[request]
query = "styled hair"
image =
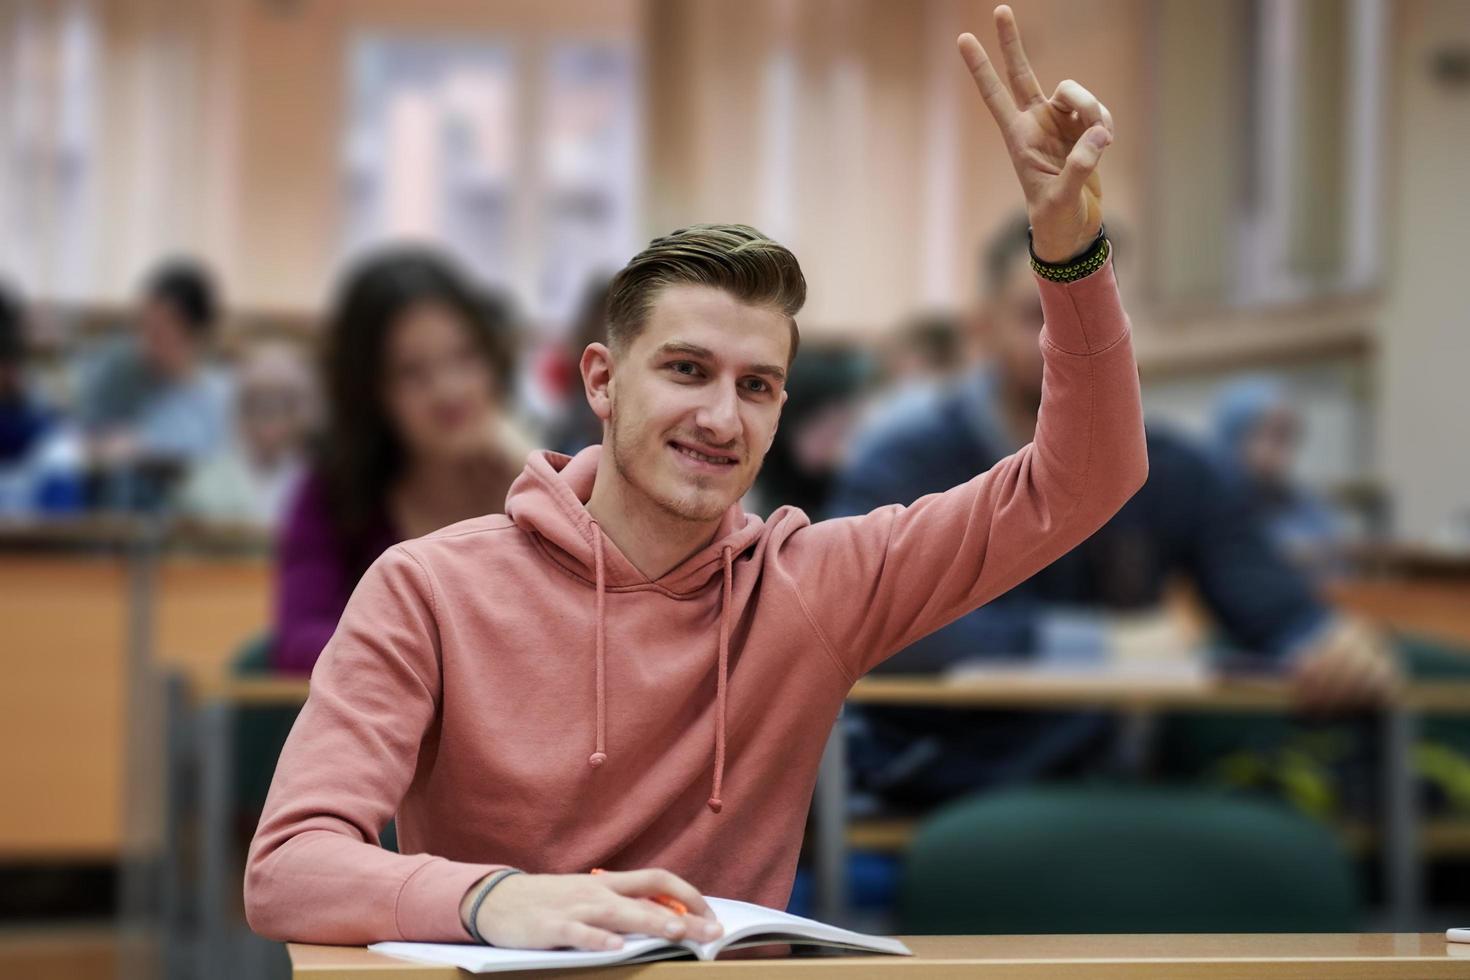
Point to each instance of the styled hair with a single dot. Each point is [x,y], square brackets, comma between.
[735,258]
[362,453]
[187,287]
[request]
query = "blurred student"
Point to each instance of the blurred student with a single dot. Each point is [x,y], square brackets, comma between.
[1190,519]
[25,420]
[1259,430]
[250,481]
[154,394]
[416,371]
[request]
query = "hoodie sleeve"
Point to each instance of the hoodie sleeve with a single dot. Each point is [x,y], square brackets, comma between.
[871,585]
[315,872]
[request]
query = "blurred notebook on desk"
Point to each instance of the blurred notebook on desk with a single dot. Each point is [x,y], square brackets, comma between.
[745,925]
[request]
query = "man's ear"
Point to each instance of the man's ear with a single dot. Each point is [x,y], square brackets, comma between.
[597,379]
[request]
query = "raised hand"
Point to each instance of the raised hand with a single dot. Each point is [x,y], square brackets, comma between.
[1054,144]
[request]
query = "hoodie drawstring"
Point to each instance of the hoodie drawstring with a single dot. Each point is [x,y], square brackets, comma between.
[715,803]
[599,756]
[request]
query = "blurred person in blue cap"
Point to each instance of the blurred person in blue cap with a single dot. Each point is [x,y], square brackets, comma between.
[1258,429]
[1191,520]
[418,367]
[152,404]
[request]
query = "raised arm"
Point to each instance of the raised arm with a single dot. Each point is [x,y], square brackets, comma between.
[874,584]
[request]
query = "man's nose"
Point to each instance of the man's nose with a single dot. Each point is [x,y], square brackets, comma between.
[719,415]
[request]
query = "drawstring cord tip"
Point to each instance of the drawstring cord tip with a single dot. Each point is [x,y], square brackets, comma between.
[596,759]
[715,803]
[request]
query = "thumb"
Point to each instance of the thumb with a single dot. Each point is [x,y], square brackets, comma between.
[1083,159]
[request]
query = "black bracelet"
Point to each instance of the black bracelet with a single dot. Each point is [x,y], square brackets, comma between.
[1080,266]
[494,879]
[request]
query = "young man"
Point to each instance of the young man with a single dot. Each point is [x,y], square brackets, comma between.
[628,672]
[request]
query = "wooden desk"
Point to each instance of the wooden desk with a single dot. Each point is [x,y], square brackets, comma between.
[1380,956]
[64,708]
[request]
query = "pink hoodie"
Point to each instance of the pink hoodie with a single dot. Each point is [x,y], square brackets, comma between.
[519,694]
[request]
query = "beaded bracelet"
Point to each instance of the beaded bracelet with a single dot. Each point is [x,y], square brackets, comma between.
[494,879]
[1078,267]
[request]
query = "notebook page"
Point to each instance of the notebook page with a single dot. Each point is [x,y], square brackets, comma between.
[494,959]
[742,920]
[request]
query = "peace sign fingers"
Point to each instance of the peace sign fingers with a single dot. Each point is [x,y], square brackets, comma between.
[1024,85]
[997,100]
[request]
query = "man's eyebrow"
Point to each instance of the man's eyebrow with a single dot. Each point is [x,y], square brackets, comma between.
[694,350]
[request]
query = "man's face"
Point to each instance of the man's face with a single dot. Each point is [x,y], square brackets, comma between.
[694,400]
[167,346]
[1014,317]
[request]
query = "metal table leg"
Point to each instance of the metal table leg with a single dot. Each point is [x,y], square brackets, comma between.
[216,739]
[1402,859]
[830,852]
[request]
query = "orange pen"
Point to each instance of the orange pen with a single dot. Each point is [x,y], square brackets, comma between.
[667,901]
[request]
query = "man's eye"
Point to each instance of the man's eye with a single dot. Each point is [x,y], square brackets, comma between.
[758,386]
[684,367]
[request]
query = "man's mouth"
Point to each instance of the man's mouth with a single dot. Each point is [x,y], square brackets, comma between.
[712,457]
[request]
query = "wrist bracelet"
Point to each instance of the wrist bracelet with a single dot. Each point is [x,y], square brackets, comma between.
[1079,266]
[485,889]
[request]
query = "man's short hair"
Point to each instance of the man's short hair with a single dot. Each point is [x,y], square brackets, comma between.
[187,287]
[735,258]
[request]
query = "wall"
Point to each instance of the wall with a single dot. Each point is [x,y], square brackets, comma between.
[1425,332]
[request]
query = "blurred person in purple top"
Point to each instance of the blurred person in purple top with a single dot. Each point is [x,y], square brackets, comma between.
[417,365]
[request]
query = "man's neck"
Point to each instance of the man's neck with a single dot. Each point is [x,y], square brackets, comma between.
[654,540]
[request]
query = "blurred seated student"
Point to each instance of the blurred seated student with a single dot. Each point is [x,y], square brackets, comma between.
[1259,429]
[25,419]
[153,400]
[250,480]
[416,370]
[1190,520]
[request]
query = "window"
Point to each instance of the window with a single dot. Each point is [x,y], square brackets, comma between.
[519,161]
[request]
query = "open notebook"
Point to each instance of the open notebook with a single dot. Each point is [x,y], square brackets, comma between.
[745,925]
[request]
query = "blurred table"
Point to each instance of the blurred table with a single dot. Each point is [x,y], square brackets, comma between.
[1436,609]
[1317,956]
[1137,697]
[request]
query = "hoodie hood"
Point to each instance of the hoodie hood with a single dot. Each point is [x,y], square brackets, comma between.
[549,501]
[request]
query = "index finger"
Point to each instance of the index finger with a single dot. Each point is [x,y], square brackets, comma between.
[997,99]
[655,881]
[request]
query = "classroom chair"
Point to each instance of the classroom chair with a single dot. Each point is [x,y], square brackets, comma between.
[1124,860]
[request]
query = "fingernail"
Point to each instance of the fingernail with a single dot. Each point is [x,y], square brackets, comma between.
[613,942]
[673,928]
[1098,137]
[711,932]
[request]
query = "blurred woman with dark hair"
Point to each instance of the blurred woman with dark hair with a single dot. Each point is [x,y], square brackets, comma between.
[417,368]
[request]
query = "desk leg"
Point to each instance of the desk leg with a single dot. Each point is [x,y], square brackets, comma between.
[216,775]
[830,853]
[1402,858]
